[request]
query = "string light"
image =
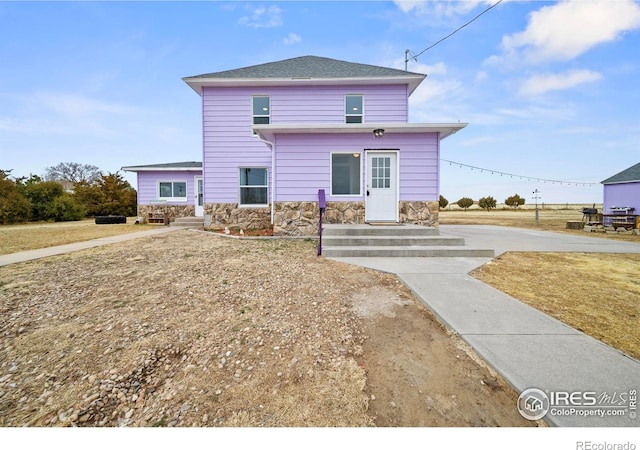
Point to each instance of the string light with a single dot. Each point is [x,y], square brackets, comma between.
[522,177]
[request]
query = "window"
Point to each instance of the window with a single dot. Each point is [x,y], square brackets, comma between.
[380,172]
[175,191]
[345,174]
[253,186]
[261,110]
[353,108]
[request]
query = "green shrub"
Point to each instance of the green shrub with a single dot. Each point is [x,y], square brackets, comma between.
[514,201]
[14,207]
[108,195]
[65,208]
[443,202]
[41,194]
[465,202]
[487,203]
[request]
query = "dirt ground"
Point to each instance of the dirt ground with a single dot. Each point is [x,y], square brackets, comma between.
[193,329]
[422,375]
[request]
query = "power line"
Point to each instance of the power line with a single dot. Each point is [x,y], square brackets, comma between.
[522,177]
[414,56]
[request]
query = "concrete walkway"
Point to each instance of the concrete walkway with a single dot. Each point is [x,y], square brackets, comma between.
[29,255]
[527,348]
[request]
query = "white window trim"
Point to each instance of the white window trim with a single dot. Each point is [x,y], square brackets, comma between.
[173,199]
[359,194]
[253,133]
[252,205]
[344,108]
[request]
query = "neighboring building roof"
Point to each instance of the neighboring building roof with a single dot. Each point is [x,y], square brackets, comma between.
[306,70]
[178,166]
[630,175]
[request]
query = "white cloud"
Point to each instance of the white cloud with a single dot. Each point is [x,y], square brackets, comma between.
[74,104]
[570,28]
[481,75]
[438,100]
[66,113]
[539,84]
[446,8]
[292,38]
[262,17]
[439,68]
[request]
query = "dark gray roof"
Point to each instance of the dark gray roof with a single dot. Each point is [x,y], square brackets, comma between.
[628,175]
[310,67]
[165,166]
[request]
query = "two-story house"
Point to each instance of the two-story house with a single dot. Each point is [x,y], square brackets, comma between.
[275,134]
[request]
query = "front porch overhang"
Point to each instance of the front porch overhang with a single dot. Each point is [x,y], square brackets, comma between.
[269,131]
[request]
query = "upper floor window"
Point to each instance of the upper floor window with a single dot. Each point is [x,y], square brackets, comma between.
[353,108]
[261,105]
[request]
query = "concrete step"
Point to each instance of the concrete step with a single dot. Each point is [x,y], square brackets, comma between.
[406,251]
[393,240]
[387,240]
[190,222]
[378,230]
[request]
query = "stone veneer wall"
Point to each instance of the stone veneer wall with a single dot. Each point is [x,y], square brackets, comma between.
[301,218]
[172,211]
[229,214]
[420,213]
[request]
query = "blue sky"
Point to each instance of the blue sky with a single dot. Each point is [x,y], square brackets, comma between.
[550,89]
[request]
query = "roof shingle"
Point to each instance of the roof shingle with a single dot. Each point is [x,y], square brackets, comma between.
[626,176]
[310,67]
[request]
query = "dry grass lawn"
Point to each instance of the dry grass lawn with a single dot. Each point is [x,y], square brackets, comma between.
[18,238]
[598,294]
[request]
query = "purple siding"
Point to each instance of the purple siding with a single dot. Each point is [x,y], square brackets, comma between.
[228,143]
[148,185]
[303,164]
[622,194]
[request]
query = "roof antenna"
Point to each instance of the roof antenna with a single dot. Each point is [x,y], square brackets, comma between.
[407,58]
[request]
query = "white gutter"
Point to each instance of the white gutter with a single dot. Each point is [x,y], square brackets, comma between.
[273,174]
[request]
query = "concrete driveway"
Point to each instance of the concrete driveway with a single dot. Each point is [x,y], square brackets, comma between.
[528,348]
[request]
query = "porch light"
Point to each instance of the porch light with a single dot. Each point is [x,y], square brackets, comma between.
[378,132]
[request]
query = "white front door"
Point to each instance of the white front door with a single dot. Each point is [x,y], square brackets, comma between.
[199,196]
[382,187]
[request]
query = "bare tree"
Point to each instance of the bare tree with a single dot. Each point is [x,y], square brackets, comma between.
[72,172]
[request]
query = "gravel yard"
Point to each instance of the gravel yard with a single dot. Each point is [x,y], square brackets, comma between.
[193,329]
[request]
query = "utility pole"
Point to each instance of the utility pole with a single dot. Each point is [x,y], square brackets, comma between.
[536,197]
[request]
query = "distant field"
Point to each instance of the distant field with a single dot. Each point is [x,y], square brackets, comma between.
[18,238]
[576,207]
[548,219]
[551,218]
